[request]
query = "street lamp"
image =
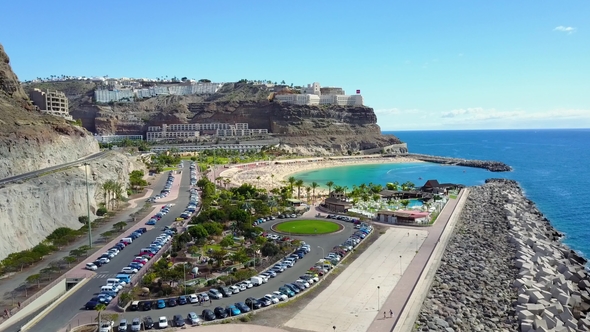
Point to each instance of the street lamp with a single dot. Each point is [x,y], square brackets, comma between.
[378,299]
[88,207]
[400,265]
[323,252]
[184,275]
[416,242]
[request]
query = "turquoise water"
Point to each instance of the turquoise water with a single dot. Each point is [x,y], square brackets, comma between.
[550,165]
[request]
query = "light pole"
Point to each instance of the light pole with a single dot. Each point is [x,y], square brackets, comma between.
[184,275]
[88,207]
[416,242]
[323,252]
[400,265]
[378,299]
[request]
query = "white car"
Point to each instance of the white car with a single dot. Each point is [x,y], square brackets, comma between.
[91,267]
[129,270]
[242,286]
[193,298]
[163,322]
[272,298]
[113,251]
[104,260]
[248,283]
[141,258]
[234,289]
[302,282]
[106,326]
[280,296]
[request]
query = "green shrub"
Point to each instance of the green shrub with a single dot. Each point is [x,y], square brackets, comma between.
[101,211]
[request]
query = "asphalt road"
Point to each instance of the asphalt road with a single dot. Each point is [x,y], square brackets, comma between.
[63,313]
[288,276]
[52,168]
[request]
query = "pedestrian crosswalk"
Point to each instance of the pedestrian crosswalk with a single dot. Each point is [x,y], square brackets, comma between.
[105,275]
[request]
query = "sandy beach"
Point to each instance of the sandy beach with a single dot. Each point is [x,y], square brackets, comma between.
[276,175]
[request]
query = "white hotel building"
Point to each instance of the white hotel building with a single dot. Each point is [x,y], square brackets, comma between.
[191,131]
[312,95]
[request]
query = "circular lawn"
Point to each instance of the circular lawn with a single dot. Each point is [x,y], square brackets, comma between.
[307,227]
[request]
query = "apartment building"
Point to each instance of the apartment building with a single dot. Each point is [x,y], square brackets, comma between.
[195,130]
[51,102]
[314,94]
[131,90]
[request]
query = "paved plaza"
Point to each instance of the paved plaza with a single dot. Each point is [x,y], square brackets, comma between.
[354,298]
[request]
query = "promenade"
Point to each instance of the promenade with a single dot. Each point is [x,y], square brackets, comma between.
[383,278]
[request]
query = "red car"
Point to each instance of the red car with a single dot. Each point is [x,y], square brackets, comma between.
[139,261]
[149,253]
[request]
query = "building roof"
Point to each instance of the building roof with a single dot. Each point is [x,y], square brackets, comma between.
[295,201]
[405,213]
[431,184]
[336,201]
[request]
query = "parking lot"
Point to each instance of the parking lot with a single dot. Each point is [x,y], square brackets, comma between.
[250,298]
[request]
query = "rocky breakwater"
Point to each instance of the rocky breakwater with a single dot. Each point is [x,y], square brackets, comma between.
[493,166]
[32,209]
[505,270]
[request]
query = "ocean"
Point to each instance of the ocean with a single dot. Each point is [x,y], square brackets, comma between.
[552,167]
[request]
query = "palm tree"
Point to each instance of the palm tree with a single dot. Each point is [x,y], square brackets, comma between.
[299,184]
[308,191]
[344,189]
[100,307]
[313,186]
[291,181]
[118,191]
[329,184]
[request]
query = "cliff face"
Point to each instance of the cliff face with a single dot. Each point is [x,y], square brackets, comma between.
[31,210]
[332,128]
[30,140]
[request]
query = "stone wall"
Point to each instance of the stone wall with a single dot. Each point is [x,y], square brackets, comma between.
[505,270]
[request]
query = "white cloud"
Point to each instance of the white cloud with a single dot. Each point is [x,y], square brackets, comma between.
[462,111]
[479,114]
[568,30]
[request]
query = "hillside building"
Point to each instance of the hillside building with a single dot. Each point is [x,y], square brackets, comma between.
[314,94]
[52,102]
[188,131]
[126,90]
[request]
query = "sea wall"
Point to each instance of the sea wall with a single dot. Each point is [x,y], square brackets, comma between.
[506,270]
[493,166]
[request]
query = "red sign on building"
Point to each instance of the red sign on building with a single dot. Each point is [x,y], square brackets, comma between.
[358,92]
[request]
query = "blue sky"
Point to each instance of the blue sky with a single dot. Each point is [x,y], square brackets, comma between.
[419,64]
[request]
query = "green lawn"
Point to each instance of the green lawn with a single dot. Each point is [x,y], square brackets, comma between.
[166,169]
[307,227]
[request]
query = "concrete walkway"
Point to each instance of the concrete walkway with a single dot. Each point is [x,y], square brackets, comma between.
[8,284]
[406,286]
[353,299]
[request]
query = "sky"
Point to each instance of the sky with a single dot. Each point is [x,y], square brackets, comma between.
[421,65]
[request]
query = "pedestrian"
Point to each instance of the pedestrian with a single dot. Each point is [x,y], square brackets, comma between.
[384,315]
[390,313]
[210,301]
[18,305]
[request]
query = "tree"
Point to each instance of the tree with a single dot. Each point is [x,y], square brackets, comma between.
[218,255]
[77,253]
[227,241]
[34,278]
[198,232]
[100,308]
[120,225]
[291,181]
[269,249]
[240,256]
[69,260]
[314,185]
[405,203]
[329,184]
[308,192]
[299,184]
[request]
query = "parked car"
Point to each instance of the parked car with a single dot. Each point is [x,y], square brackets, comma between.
[172,302]
[264,301]
[178,321]
[220,312]
[208,315]
[242,307]
[215,294]
[136,325]
[91,266]
[148,323]
[193,318]
[253,303]
[147,306]
[161,304]
[182,300]
[163,322]
[280,296]
[225,291]
[232,310]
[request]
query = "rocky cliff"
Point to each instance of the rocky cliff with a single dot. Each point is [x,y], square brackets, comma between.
[316,129]
[30,140]
[31,210]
